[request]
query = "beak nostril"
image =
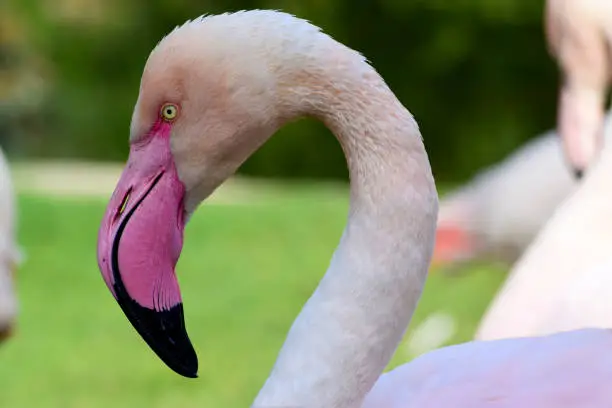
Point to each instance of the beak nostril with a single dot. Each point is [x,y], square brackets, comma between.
[123,205]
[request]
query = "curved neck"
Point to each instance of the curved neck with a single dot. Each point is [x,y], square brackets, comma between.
[350,327]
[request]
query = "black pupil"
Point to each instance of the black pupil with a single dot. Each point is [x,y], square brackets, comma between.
[168,111]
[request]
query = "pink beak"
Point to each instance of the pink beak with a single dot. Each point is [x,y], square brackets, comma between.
[139,244]
[453,244]
[581,120]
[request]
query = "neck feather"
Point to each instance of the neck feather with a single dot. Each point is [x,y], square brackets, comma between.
[349,329]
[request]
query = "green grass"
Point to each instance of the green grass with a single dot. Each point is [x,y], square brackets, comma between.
[245,272]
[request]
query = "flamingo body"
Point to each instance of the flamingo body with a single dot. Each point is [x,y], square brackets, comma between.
[562,282]
[565,370]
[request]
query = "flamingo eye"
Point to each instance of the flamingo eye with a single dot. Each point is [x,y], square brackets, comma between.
[169,112]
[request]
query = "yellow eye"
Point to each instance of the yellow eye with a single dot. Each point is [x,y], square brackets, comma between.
[169,112]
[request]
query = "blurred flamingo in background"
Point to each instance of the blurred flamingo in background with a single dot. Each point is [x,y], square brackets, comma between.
[10,255]
[497,214]
[563,280]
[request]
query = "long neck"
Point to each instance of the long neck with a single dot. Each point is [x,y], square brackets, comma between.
[349,329]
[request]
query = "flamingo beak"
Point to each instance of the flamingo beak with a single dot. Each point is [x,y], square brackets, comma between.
[580,122]
[139,244]
[578,173]
[453,244]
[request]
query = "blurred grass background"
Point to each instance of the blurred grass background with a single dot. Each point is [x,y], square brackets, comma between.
[245,272]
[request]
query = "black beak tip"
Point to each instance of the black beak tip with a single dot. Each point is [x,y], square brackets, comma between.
[184,361]
[185,370]
[164,331]
[578,173]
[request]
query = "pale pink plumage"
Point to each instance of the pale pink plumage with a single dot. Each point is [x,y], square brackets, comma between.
[562,282]
[566,370]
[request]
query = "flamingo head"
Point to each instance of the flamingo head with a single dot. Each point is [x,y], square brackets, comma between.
[211,93]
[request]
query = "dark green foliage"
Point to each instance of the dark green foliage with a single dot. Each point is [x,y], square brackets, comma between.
[476,75]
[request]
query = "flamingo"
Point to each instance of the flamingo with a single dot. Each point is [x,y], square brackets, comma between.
[560,282]
[10,254]
[498,213]
[212,92]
